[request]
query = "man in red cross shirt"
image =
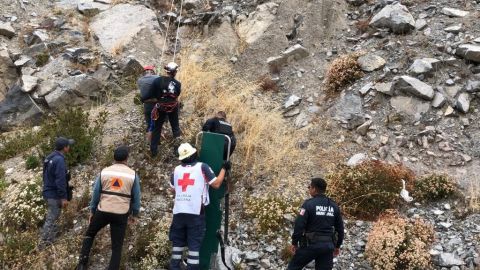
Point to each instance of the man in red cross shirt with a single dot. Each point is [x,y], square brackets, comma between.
[191,181]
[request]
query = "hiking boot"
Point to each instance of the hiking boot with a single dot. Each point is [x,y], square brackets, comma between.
[81,266]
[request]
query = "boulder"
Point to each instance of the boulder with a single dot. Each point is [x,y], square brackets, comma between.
[463,102]
[363,128]
[423,65]
[385,88]
[413,86]
[292,101]
[469,52]
[452,12]
[38,36]
[348,110]
[51,74]
[370,62]
[23,60]
[472,86]
[449,260]
[8,73]
[252,28]
[17,108]
[29,83]
[438,100]
[296,52]
[73,91]
[396,17]
[455,28]
[409,105]
[118,26]
[420,24]
[7,30]
[130,67]
[90,9]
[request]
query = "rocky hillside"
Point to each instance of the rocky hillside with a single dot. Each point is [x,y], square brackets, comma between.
[311,87]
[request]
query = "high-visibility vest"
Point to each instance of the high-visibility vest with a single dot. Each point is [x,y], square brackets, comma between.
[191,189]
[117,182]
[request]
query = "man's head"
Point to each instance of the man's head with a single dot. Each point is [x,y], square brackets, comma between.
[63,144]
[221,115]
[317,186]
[121,154]
[171,69]
[148,70]
[186,152]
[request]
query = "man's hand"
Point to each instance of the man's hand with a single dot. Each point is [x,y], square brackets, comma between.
[64,203]
[293,249]
[227,165]
[336,252]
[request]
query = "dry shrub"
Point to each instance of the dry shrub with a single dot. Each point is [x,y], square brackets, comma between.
[267,84]
[434,187]
[152,249]
[267,145]
[397,243]
[363,25]
[366,190]
[473,195]
[343,71]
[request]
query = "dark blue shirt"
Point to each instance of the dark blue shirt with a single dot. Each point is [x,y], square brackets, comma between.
[55,176]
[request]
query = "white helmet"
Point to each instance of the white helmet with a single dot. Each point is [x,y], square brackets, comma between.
[171,67]
[185,150]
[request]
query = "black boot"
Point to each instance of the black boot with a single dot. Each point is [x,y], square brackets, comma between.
[81,266]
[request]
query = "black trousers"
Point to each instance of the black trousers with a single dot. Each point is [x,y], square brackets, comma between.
[118,225]
[157,129]
[322,253]
[147,110]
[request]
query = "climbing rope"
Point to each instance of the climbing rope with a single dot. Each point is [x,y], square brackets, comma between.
[166,33]
[178,28]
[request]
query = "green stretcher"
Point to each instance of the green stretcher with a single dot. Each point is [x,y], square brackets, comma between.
[211,153]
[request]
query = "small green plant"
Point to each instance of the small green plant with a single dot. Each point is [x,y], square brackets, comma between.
[366,190]
[434,187]
[32,162]
[152,248]
[3,182]
[42,59]
[397,243]
[23,205]
[268,213]
[15,145]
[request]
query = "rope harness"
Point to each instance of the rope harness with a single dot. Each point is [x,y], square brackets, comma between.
[167,107]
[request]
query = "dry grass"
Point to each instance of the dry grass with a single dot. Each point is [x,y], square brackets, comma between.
[118,48]
[267,145]
[363,25]
[86,28]
[473,196]
[343,71]
[267,84]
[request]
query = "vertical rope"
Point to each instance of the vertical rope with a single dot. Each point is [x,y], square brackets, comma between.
[178,28]
[166,34]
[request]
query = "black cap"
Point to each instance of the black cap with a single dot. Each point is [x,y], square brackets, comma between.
[62,142]
[120,153]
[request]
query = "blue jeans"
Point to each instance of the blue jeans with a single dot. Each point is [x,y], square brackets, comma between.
[322,253]
[49,230]
[186,230]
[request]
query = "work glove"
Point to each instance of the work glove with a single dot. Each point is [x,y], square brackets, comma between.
[227,165]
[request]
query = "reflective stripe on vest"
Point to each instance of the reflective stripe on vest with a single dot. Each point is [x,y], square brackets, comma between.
[191,189]
[117,182]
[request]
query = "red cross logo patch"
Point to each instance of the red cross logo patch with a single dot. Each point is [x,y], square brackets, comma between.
[186,181]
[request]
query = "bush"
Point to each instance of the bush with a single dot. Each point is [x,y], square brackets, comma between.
[343,71]
[266,83]
[269,212]
[152,247]
[366,190]
[3,183]
[73,123]
[15,145]
[396,243]
[16,246]
[32,162]
[23,205]
[42,59]
[434,187]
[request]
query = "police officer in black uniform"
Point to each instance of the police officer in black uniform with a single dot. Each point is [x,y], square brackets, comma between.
[318,232]
[219,124]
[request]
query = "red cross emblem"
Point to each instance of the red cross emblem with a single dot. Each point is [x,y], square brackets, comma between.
[186,181]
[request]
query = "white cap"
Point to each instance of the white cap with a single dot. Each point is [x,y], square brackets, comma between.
[172,66]
[185,150]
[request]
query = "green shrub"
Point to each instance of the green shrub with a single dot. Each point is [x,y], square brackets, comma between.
[268,213]
[366,190]
[16,246]
[23,205]
[42,59]
[3,182]
[73,123]
[152,248]
[397,243]
[15,145]
[32,162]
[434,187]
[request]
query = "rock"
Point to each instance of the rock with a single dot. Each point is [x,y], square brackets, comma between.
[292,101]
[295,52]
[7,30]
[50,74]
[455,28]
[38,36]
[23,60]
[88,9]
[396,17]
[438,100]
[385,88]
[409,105]
[452,12]
[469,52]
[116,27]
[191,4]
[302,120]
[357,159]
[252,28]
[413,86]
[449,259]
[348,110]
[463,102]
[73,91]
[449,82]
[364,90]
[130,67]
[472,86]
[8,73]
[423,65]
[252,256]
[17,108]
[449,111]
[232,258]
[370,62]
[291,113]
[29,83]
[420,24]
[363,128]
